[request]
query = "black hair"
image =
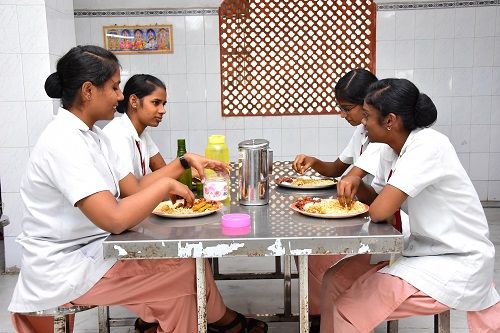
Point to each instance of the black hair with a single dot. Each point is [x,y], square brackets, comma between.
[353,86]
[401,97]
[79,65]
[140,85]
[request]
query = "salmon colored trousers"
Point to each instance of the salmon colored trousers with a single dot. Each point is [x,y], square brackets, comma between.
[356,298]
[156,290]
[317,267]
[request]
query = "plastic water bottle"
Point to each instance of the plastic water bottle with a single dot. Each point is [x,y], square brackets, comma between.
[186,178]
[217,150]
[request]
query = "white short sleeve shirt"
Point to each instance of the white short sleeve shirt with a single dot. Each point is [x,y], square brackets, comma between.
[360,152]
[448,254]
[124,139]
[62,249]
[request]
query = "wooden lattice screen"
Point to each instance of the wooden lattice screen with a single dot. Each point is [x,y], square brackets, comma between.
[283,57]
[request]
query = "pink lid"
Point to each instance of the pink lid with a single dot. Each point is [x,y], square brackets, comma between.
[235,220]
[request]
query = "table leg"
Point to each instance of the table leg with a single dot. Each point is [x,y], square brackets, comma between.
[303,294]
[200,293]
[287,282]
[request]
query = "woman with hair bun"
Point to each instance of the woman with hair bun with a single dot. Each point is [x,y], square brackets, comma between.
[350,91]
[76,191]
[448,260]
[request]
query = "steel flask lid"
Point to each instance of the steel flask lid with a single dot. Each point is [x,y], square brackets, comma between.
[254,144]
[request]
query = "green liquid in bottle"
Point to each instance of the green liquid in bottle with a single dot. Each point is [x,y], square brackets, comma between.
[186,177]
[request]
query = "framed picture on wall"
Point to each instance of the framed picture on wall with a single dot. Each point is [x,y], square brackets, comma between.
[127,39]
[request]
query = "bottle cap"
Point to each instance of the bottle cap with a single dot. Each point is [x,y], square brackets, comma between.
[216,139]
[235,220]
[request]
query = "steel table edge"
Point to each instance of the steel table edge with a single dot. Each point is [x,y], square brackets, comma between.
[149,249]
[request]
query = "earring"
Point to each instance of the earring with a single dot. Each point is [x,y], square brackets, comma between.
[388,128]
[134,106]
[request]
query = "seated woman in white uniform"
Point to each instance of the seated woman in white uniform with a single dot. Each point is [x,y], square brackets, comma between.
[143,106]
[350,92]
[71,192]
[447,260]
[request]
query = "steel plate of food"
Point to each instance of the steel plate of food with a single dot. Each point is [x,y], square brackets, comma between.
[201,207]
[328,208]
[306,182]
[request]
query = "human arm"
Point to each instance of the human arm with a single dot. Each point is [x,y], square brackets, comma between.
[302,163]
[172,170]
[117,216]
[387,203]
[350,186]
[156,162]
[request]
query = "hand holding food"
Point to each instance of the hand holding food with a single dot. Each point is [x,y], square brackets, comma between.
[302,163]
[347,188]
[176,189]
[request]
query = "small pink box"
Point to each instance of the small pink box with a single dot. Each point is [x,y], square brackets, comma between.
[236,231]
[235,220]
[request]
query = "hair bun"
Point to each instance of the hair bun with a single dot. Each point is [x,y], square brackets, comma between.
[425,111]
[53,86]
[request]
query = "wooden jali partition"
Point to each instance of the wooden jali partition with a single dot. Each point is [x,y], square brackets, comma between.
[283,57]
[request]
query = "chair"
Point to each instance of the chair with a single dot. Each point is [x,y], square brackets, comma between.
[441,323]
[61,315]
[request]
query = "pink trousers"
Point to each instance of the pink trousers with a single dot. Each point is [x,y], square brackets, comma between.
[162,291]
[318,265]
[356,298]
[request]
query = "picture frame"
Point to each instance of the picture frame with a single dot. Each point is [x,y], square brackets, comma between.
[126,39]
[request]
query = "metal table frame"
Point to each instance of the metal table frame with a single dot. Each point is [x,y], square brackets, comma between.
[275,231]
[4,221]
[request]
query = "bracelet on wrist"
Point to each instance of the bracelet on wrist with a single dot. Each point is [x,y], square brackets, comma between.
[184,162]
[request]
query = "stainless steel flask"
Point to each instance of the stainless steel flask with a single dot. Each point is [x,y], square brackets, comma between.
[255,160]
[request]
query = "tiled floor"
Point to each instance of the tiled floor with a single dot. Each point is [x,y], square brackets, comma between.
[260,296]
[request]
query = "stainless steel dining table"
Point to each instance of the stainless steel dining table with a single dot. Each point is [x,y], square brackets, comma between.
[275,230]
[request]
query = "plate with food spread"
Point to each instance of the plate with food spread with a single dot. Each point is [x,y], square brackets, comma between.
[327,208]
[201,207]
[306,182]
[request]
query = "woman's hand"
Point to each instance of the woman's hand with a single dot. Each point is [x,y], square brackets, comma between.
[199,163]
[302,163]
[347,188]
[176,189]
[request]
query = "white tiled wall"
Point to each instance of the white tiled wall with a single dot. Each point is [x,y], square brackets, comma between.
[453,55]
[192,76]
[37,33]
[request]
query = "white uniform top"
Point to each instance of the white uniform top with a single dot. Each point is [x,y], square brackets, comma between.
[62,249]
[448,254]
[360,152]
[124,138]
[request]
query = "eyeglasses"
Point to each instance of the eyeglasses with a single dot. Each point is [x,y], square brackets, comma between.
[347,110]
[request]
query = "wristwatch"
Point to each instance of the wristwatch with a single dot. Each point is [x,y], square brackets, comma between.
[184,162]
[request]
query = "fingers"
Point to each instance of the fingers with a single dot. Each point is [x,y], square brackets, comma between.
[346,190]
[299,165]
[176,189]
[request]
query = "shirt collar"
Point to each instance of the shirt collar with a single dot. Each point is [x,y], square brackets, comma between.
[409,140]
[72,120]
[130,127]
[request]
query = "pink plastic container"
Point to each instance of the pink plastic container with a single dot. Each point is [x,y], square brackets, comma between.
[235,220]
